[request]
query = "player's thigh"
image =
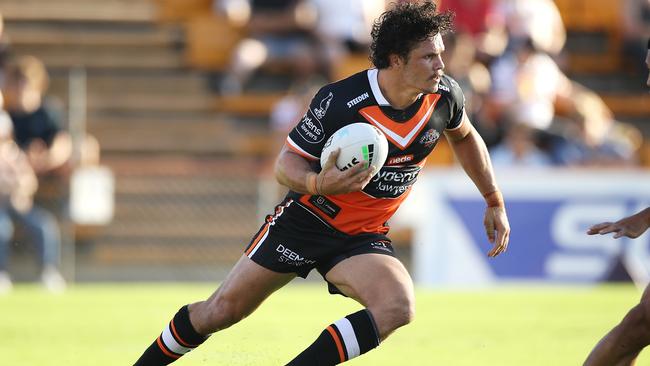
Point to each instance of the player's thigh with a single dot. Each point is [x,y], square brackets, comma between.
[248,283]
[372,279]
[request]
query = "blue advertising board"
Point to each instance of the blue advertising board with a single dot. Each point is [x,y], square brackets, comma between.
[549,213]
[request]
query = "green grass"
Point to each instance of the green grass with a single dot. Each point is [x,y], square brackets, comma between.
[112,324]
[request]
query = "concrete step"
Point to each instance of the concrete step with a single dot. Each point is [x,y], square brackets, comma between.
[105,57]
[122,11]
[153,82]
[75,34]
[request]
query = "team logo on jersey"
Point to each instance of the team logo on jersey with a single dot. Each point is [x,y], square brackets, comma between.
[310,129]
[398,160]
[358,99]
[323,106]
[430,138]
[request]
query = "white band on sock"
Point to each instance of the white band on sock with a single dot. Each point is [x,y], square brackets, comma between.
[349,337]
[171,343]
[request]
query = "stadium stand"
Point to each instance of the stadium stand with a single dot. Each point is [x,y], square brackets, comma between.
[154,116]
[182,155]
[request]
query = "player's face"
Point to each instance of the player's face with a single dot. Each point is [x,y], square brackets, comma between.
[647,63]
[424,67]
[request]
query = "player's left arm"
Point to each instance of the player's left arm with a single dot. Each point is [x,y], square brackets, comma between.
[471,152]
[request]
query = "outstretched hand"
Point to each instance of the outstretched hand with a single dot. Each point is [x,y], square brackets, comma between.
[497,229]
[632,226]
[333,181]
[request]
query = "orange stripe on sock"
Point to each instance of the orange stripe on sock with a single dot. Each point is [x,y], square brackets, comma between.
[339,345]
[257,240]
[165,351]
[180,340]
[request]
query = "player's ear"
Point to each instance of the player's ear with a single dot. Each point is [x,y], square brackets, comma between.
[395,60]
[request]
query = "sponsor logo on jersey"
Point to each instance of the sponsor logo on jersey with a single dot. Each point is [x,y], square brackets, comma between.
[310,129]
[430,137]
[398,160]
[326,206]
[292,258]
[323,106]
[358,99]
[444,87]
[392,182]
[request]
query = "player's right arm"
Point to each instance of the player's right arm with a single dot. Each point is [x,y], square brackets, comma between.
[294,171]
[632,226]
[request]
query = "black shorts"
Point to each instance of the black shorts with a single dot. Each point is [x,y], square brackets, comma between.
[295,240]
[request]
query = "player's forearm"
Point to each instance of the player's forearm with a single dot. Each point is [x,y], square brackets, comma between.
[645,217]
[294,172]
[473,156]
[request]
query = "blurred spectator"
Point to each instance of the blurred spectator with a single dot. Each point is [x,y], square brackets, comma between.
[471,16]
[4,48]
[535,20]
[288,111]
[519,148]
[344,26]
[280,33]
[593,138]
[531,81]
[18,183]
[480,20]
[38,127]
[636,31]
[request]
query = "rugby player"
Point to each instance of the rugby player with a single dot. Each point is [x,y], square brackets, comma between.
[335,221]
[623,343]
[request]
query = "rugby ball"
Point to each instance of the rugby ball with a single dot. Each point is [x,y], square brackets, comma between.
[358,142]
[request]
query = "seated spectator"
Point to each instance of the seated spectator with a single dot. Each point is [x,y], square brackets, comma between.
[635,24]
[535,20]
[18,183]
[518,147]
[592,137]
[38,126]
[280,32]
[344,26]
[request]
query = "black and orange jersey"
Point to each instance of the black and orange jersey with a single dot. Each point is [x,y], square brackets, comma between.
[412,134]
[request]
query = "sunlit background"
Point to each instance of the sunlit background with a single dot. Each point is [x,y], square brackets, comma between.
[172,112]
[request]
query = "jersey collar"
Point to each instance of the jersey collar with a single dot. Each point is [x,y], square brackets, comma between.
[373,75]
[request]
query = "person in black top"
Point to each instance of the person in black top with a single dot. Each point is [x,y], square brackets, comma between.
[335,221]
[37,131]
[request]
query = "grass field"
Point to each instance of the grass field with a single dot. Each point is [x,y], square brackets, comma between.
[111,324]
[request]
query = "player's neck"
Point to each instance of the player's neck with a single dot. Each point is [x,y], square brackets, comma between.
[396,93]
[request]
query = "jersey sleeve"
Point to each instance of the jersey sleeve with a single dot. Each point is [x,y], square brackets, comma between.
[457,104]
[316,125]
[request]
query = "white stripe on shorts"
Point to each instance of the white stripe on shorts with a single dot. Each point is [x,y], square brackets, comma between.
[259,243]
[349,337]
[171,343]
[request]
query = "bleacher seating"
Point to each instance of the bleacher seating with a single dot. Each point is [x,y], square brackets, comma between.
[161,130]
[595,17]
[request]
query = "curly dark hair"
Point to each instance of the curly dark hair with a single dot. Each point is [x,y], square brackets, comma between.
[398,30]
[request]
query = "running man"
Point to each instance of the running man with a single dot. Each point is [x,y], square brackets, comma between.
[335,221]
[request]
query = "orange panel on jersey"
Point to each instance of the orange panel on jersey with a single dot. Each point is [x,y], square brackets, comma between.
[359,213]
[401,134]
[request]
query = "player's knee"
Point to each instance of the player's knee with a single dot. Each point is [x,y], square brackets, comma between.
[219,312]
[396,311]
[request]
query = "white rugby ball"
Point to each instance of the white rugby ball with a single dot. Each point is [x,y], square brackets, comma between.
[358,142]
